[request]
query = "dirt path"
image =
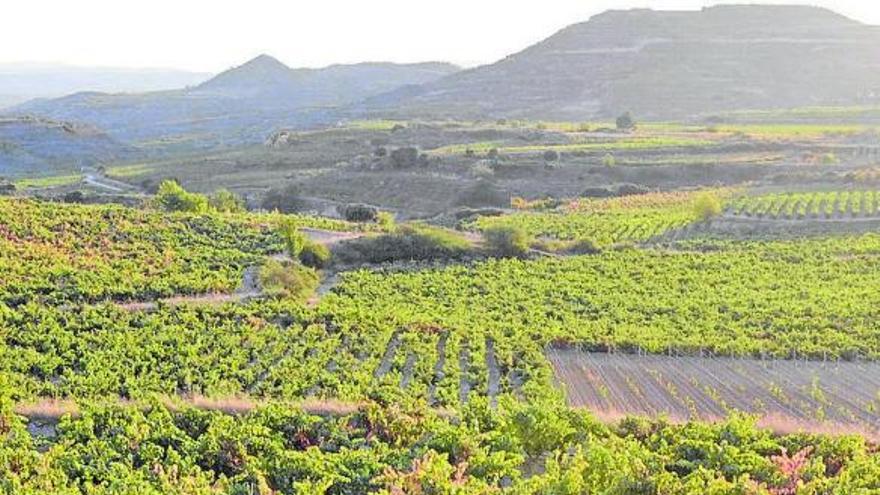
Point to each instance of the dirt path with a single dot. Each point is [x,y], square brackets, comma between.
[249,289]
[95,178]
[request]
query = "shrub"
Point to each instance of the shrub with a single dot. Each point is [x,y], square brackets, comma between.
[408,243]
[172,197]
[405,157]
[830,159]
[482,170]
[484,193]
[584,246]
[385,220]
[359,213]
[291,280]
[284,199]
[294,240]
[74,197]
[707,205]
[551,156]
[608,160]
[626,122]
[507,241]
[226,201]
[314,254]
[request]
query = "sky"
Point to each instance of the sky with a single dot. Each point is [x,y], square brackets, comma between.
[213,35]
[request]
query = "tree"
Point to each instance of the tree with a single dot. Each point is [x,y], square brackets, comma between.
[625,122]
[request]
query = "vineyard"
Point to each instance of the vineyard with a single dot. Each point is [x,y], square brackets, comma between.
[824,205]
[448,368]
[702,388]
[606,221]
[60,253]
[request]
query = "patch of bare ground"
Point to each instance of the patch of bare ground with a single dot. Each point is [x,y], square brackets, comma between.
[388,358]
[52,410]
[494,383]
[787,395]
[464,386]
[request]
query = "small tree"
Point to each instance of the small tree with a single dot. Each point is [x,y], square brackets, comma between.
[288,280]
[626,122]
[706,206]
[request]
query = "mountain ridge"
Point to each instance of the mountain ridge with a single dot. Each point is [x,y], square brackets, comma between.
[664,64]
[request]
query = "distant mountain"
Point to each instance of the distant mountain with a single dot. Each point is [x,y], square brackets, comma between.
[29,145]
[666,64]
[240,105]
[23,81]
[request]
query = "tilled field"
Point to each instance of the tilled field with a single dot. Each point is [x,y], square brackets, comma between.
[680,387]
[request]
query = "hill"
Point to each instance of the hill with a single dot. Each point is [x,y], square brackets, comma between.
[666,64]
[241,105]
[49,146]
[24,81]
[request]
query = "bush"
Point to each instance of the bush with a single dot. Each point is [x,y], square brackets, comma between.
[288,280]
[551,156]
[385,220]
[583,246]
[74,197]
[706,206]
[405,157]
[314,254]
[226,201]
[484,193]
[830,159]
[608,160]
[294,240]
[408,243]
[626,122]
[172,197]
[284,199]
[509,242]
[358,213]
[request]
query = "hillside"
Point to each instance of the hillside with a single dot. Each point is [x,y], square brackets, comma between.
[24,81]
[667,64]
[48,146]
[241,105]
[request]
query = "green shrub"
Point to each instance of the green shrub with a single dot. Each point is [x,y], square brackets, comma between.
[226,201]
[706,206]
[830,159]
[407,243]
[626,122]
[608,160]
[294,240]
[172,197]
[314,254]
[358,213]
[386,221]
[507,241]
[289,279]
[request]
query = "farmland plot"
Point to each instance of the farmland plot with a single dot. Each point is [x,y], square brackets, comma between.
[686,387]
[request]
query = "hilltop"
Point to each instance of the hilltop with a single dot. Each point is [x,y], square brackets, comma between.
[667,64]
[239,106]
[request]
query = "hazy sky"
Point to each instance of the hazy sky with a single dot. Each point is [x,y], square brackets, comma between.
[211,35]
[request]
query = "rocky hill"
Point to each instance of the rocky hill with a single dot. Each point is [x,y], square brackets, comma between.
[239,106]
[34,144]
[666,64]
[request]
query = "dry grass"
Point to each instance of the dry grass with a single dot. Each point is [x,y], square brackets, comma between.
[55,409]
